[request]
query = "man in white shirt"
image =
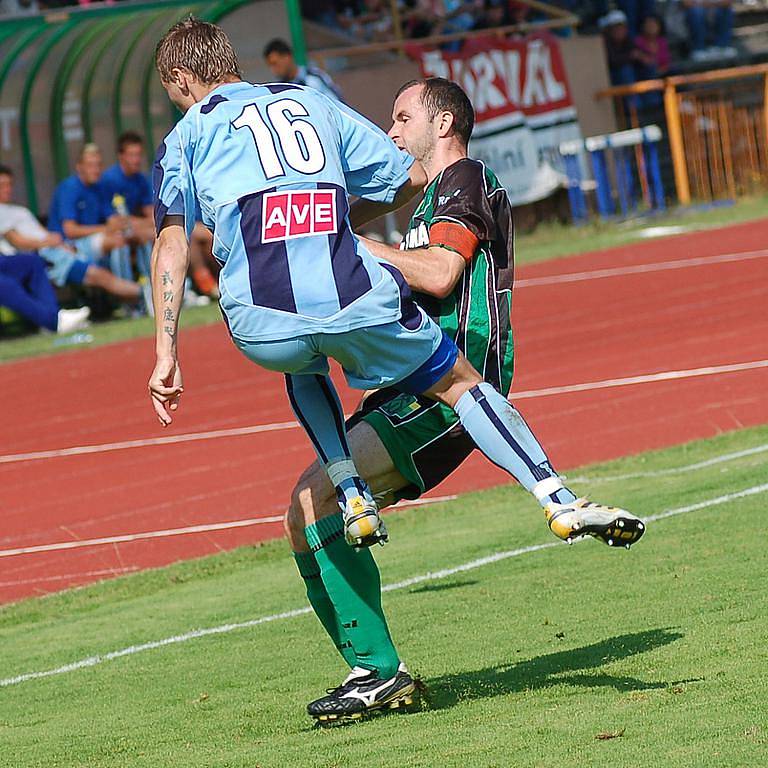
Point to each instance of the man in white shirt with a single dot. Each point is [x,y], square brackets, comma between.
[279,58]
[20,231]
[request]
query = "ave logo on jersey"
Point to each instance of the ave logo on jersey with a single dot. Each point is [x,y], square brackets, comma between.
[286,215]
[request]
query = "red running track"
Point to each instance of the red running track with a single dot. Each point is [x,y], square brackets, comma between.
[575,324]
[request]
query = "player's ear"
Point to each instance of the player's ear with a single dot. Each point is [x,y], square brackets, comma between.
[445,123]
[182,79]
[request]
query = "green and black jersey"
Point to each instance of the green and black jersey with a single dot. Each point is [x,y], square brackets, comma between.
[424,438]
[476,315]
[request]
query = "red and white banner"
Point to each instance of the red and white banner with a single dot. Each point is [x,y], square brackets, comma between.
[523,108]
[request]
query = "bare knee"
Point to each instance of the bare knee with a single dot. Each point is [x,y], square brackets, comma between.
[460,379]
[312,498]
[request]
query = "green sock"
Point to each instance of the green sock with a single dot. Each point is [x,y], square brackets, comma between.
[322,605]
[352,582]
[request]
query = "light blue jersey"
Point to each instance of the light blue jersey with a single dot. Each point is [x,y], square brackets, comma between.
[268,169]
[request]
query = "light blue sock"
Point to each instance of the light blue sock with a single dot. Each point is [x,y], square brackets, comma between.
[501,433]
[318,409]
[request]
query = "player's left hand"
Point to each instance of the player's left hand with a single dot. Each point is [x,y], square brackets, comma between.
[165,388]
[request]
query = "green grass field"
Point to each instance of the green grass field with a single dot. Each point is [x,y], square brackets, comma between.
[559,657]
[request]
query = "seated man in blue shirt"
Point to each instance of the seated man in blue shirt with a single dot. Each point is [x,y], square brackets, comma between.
[126,180]
[82,212]
[21,231]
[130,193]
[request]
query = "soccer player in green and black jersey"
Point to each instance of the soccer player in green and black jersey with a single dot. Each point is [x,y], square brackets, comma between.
[457,258]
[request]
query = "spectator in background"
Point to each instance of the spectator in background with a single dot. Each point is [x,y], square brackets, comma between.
[126,179]
[454,16]
[710,23]
[325,12]
[652,50]
[373,22]
[21,231]
[619,48]
[279,58]
[25,288]
[418,18]
[130,195]
[82,212]
[130,192]
[495,14]
[636,11]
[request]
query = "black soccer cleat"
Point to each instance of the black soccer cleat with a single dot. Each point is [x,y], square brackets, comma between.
[362,693]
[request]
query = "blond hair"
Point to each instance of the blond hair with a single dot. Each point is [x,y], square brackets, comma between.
[197,47]
[88,149]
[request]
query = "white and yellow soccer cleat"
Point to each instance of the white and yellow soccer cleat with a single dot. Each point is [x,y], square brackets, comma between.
[615,526]
[363,526]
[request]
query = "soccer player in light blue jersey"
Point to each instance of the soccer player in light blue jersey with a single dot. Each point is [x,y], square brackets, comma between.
[270,168]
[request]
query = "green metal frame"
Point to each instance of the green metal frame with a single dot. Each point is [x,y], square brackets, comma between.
[146,90]
[26,151]
[22,41]
[78,47]
[5,33]
[87,25]
[117,91]
[85,102]
[297,31]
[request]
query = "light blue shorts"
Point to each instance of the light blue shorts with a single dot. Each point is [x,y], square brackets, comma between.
[67,267]
[372,357]
[64,266]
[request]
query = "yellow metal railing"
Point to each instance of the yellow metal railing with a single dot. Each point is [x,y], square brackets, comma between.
[717,127]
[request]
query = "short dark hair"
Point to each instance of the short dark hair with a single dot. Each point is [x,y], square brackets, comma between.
[441,95]
[198,47]
[126,138]
[6,171]
[277,45]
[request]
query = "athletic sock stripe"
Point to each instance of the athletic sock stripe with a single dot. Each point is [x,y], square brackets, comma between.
[338,416]
[302,420]
[326,540]
[504,432]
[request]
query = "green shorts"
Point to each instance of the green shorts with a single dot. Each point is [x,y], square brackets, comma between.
[424,439]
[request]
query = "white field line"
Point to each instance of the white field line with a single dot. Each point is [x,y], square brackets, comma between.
[161,534]
[675,470]
[715,460]
[187,437]
[648,378]
[660,266]
[65,576]
[92,661]
[689,373]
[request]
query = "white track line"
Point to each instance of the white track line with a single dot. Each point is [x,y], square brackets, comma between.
[648,378]
[674,470]
[660,266]
[92,661]
[187,437]
[712,370]
[65,576]
[165,533]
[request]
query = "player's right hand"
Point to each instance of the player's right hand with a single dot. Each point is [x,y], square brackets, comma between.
[165,388]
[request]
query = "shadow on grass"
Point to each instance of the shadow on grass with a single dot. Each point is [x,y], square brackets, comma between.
[577,666]
[442,586]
